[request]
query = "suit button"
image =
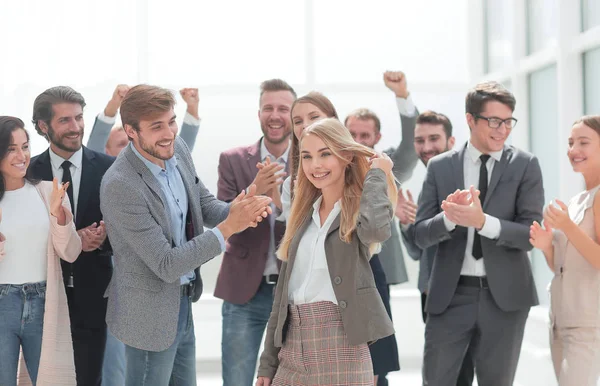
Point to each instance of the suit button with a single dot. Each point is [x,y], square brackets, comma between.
[337,280]
[343,304]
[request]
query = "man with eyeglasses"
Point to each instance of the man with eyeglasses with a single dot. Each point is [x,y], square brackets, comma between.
[476,205]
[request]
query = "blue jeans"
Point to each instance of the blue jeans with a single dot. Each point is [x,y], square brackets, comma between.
[113,369]
[21,323]
[175,366]
[243,328]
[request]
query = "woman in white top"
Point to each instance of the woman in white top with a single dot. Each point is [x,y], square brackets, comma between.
[326,307]
[569,240]
[36,228]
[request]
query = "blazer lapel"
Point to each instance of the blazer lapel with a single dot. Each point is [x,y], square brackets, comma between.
[146,175]
[42,168]
[458,166]
[335,225]
[88,179]
[189,182]
[499,168]
[252,158]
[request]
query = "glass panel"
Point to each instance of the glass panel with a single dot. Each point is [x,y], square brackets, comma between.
[543,124]
[591,80]
[498,30]
[214,42]
[542,24]
[358,45]
[590,14]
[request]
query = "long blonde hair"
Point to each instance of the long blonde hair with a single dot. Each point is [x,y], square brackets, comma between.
[355,158]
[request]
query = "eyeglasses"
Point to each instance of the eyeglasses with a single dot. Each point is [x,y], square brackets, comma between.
[495,123]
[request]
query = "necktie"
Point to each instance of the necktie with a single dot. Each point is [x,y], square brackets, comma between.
[483,185]
[66,166]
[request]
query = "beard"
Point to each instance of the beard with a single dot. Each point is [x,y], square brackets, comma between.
[276,141]
[426,156]
[155,151]
[64,143]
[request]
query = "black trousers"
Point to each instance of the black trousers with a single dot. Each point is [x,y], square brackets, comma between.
[88,348]
[467,371]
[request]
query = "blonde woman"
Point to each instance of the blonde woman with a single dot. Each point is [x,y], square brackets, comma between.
[570,242]
[326,306]
[36,231]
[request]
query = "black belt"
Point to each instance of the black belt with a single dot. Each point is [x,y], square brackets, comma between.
[187,289]
[270,279]
[473,281]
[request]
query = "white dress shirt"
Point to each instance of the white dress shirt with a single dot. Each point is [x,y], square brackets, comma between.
[57,171]
[271,266]
[310,281]
[491,228]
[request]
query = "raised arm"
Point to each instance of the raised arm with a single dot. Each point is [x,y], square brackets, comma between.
[191,120]
[106,120]
[404,156]
[376,211]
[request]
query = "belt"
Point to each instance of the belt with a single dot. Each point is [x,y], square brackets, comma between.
[187,289]
[270,279]
[473,281]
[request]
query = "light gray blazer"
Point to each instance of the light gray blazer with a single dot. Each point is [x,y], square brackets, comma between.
[405,159]
[515,196]
[144,292]
[101,131]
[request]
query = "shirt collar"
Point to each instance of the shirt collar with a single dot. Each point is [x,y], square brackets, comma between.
[76,159]
[264,152]
[474,153]
[317,205]
[156,170]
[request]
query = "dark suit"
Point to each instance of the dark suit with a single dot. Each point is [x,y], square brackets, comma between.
[486,318]
[91,271]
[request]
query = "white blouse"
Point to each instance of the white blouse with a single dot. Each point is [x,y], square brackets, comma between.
[310,281]
[26,226]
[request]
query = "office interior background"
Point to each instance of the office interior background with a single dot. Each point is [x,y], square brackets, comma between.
[546,51]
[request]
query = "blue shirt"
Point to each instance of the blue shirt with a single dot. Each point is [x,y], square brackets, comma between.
[175,194]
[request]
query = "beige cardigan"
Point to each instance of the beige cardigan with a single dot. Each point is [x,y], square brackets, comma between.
[57,366]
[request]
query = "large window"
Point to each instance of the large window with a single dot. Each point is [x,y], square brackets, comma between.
[590,14]
[591,81]
[499,37]
[542,24]
[543,124]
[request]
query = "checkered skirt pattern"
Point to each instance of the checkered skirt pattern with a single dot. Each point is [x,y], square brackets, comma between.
[316,350]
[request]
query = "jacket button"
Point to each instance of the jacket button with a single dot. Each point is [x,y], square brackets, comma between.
[337,280]
[343,304]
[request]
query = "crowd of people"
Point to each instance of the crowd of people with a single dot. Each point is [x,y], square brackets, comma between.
[310,219]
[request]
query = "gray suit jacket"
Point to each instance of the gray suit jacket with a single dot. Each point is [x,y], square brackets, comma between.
[515,196]
[101,131]
[424,256]
[405,159]
[144,292]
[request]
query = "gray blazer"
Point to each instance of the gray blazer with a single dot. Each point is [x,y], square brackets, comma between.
[101,131]
[515,196]
[363,314]
[144,292]
[405,159]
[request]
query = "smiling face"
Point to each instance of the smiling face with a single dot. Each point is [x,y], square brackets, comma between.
[274,115]
[483,137]
[322,168]
[155,137]
[584,149]
[16,161]
[65,130]
[303,115]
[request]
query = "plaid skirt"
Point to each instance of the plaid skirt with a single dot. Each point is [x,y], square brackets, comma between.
[316,350]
